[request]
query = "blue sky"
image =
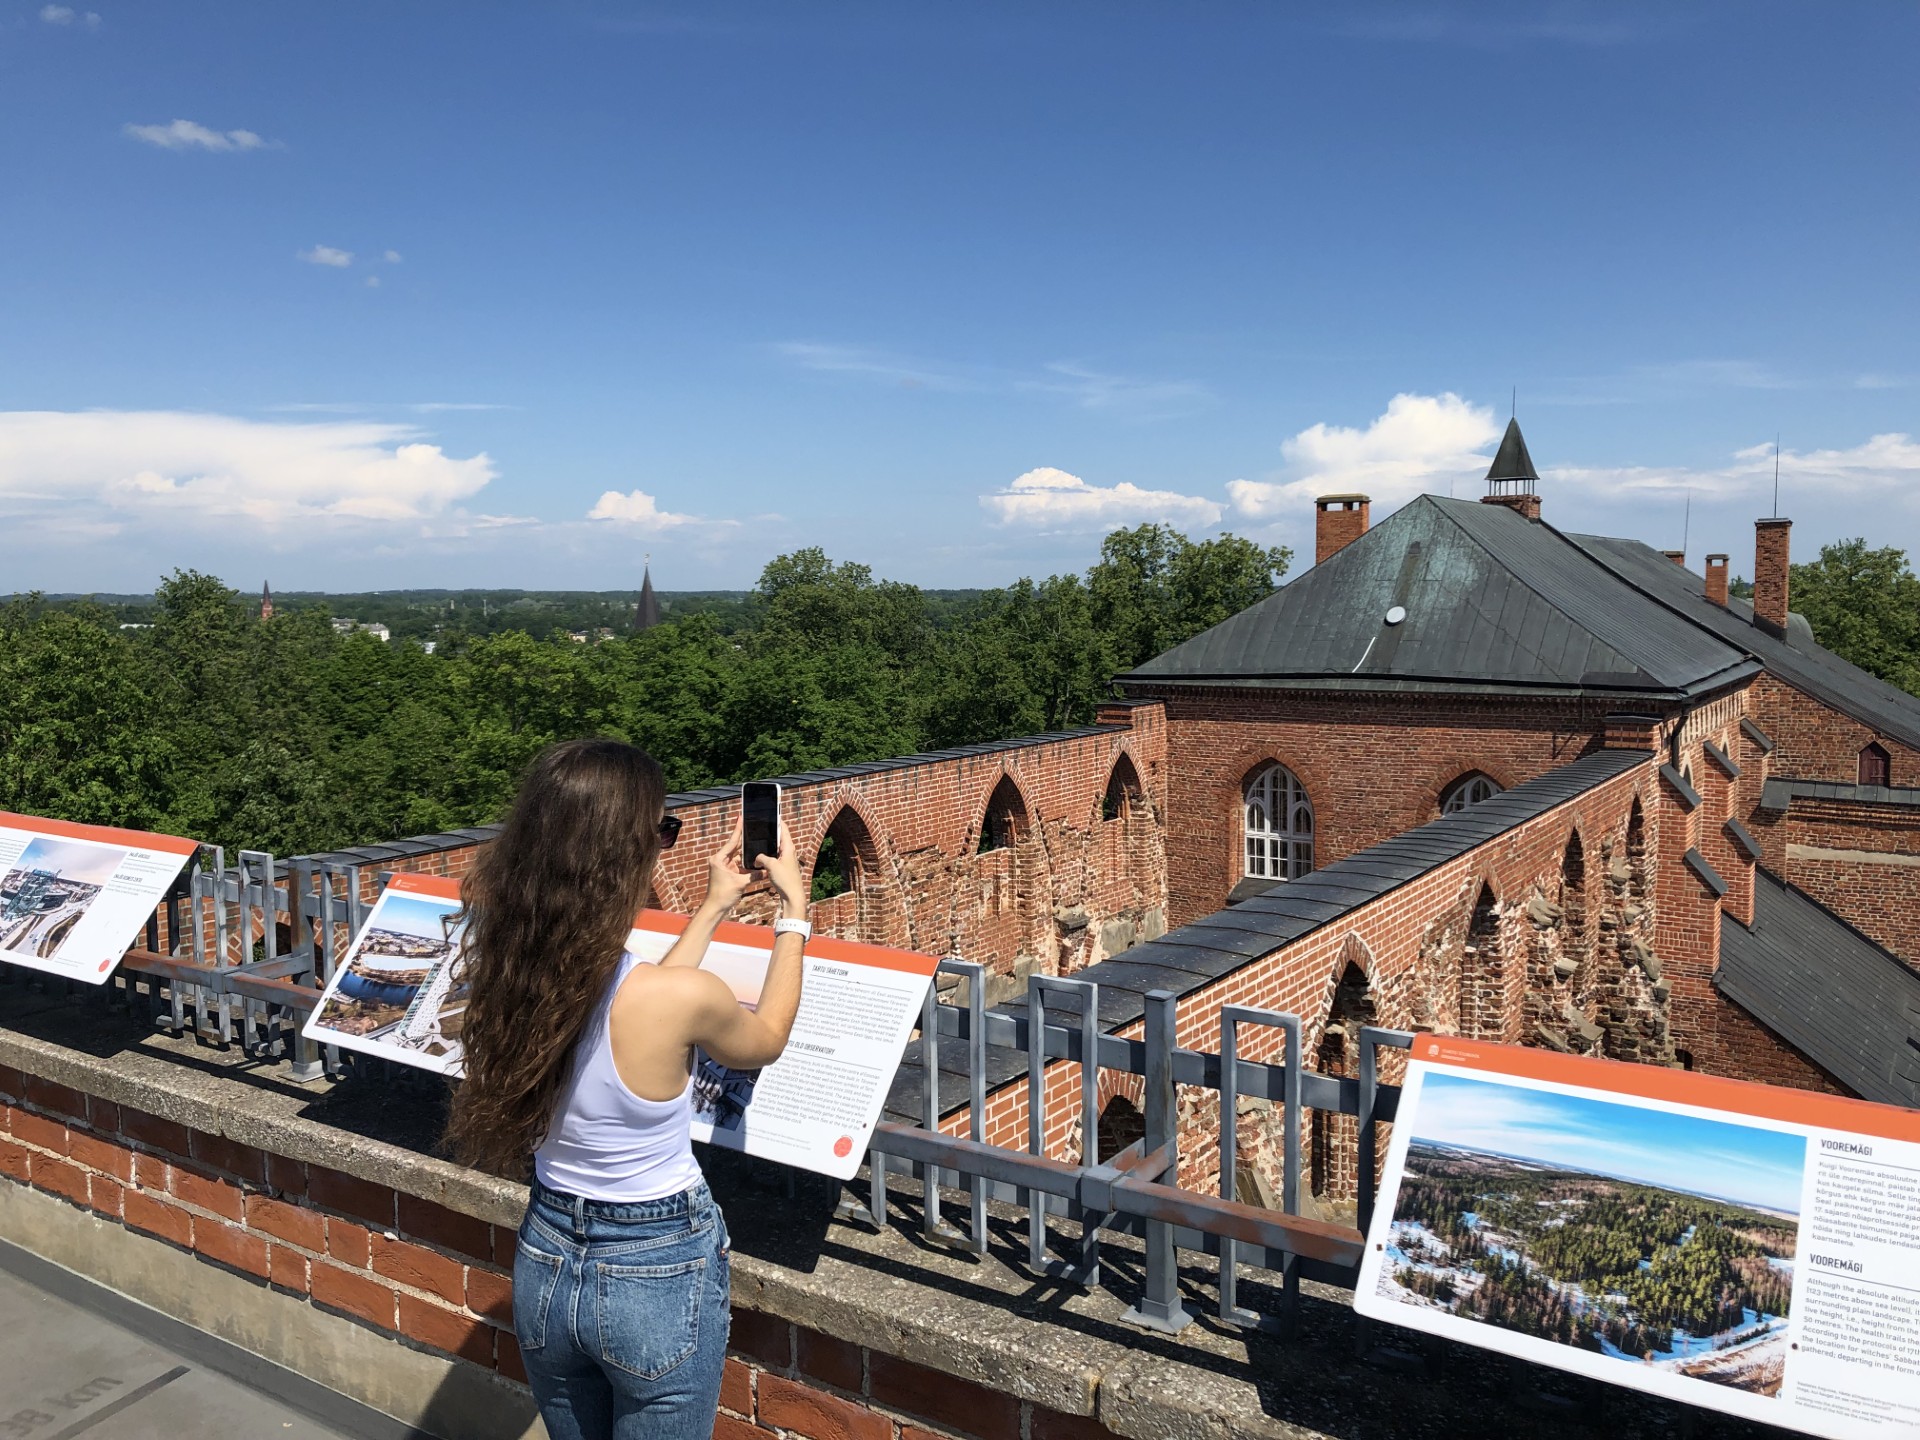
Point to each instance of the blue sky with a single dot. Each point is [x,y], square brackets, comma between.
[1682,1152]
[360,296]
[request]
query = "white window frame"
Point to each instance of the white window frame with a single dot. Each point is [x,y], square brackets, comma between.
[1270,850]
[1469,790]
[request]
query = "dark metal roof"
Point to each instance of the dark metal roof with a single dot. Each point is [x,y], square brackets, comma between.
[1682,787]
[1754,733]
[1778,794]
[1742,837]
[1794,658]
[1827,990]
[1720,757]
[1493,602]
[1709,876]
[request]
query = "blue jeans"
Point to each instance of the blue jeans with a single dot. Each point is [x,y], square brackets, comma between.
[621,1311]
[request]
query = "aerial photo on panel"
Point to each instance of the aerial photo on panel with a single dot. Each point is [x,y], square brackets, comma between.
[49,888]
[403,985]
[1660,1239]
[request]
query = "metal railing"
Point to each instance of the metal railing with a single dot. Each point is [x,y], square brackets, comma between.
[253,943]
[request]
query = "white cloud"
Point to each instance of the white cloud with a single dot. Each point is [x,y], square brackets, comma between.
[326,255]
[638,508]
[373,282]
[57,14]
[1421,443]
[1052,499]
[1883,465]
[392,257]
[161,468]
[186,135]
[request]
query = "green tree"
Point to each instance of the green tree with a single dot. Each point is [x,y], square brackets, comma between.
[1864,605]
[1153,587]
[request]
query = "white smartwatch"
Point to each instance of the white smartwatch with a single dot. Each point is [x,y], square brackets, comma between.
[802,928]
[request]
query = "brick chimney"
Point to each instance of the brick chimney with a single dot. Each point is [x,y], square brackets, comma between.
[1678,557]
[1511,479]
[1717,580]
[1770,573]
[1338,521]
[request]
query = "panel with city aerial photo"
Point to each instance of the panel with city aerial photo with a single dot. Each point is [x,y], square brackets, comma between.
[401,991]
[48,890]
[1657,1238]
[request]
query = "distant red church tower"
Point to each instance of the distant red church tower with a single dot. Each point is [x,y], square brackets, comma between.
[266,601]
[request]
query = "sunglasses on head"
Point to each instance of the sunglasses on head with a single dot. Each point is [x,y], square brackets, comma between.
[669,831]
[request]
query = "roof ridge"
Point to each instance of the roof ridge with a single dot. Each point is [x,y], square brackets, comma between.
[1840,920]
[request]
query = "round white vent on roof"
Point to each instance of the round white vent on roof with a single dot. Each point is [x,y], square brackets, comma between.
[1396,614]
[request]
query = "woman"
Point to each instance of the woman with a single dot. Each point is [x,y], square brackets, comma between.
[581,1057]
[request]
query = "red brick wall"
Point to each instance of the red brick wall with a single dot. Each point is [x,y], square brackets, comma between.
[1051,902]
[415,1270]
[1823,846]
[1813,741]
[1373,766]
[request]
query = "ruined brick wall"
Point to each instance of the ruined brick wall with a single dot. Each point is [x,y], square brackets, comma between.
[1080,877]
[440,1280]
[1475,945]
[1372,766]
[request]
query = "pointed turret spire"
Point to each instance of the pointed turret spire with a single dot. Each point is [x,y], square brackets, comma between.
[266,601]
[1513,462]
[1511,478]
[646,614]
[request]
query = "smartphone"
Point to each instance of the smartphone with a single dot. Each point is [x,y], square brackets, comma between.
[759,820]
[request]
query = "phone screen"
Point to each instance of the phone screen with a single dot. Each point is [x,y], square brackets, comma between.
[760,821]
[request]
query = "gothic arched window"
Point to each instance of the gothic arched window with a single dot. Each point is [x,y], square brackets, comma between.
[1469,790]
[1279,825]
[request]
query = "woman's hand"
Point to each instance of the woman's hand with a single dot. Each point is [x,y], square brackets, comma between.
[783,870]
[727,878]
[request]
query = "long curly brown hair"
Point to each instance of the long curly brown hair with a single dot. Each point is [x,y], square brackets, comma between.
[548,906]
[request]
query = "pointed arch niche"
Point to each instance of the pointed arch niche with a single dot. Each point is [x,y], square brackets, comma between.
[1575,925]
[1333,1154]
[1482,970]
[1125,798]
[852,896]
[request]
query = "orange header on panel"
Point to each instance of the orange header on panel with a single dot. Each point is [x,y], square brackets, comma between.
[1674,1087]
[103,834]
[760,937]
[440,887]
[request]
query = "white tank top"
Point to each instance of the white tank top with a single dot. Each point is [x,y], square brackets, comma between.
[605,1142]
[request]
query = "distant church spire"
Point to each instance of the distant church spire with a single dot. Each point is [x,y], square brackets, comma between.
[266,601]
[646,614]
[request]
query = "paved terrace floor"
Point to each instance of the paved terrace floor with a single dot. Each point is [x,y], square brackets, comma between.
[67,1371]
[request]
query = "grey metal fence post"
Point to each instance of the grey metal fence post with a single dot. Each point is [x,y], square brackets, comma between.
[1231,1018]
[1159,1307]
[1085,1269]
[300,879]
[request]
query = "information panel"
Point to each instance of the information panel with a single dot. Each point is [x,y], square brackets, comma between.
[74,897]
[400,993]
[816,1106]
[1738,1247]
